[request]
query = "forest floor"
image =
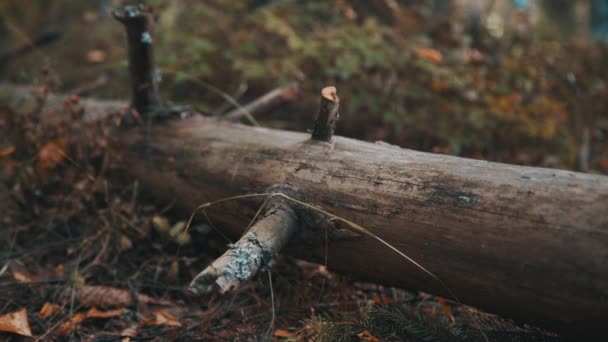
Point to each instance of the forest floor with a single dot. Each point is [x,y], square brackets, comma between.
[84,255]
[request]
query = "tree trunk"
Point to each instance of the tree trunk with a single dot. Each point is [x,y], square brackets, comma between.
[527,243]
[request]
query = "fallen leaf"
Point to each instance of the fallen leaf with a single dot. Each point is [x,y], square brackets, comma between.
[438,85]
[161,223]
[16,323]
[66,328]
[284,333]
[96,313]
[96,56]
[447,310]
[475,56]
[48,309]
[125,244]
[129,332]
[162,318]
[59,270]
[6,151]
[23,277]
[429,54]
[90,16]
[347,9]
[367,336]
[382,299]
[52,154]
[177,229]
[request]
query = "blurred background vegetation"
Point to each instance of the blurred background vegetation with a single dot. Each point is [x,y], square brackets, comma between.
[514,81]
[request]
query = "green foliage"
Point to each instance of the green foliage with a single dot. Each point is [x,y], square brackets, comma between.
[514,98]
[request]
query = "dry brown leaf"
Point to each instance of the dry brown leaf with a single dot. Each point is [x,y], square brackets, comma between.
[96,56]
[16,323]
[162,318]
[48,309]
[438,85]
[129,332]
[284,333]
[23,277]
[59,270]
[475,56]
[104,296]
[348,11]
[429,54]
[6,151]
[66,328]
[161,223]
[96,313]
[447,310]
[382,299]
[90,16]
[52,154]
[367,336]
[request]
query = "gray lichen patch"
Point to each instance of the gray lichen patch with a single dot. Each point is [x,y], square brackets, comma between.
[146,38]
[247,258]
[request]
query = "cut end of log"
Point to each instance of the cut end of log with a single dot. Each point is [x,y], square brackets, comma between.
[330,93]
[131,12]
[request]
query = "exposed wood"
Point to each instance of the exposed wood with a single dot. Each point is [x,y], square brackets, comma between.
[325,123]
[252,252]
[139,23]
[266,103]
[527,243]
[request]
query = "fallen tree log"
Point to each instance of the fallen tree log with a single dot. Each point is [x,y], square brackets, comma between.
[527,243]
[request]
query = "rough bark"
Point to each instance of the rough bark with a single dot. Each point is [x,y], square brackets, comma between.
[138,22]
[527,243]
[325,122]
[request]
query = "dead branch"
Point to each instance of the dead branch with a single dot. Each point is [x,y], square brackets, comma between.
[139,23]
[252,252]
[266,103]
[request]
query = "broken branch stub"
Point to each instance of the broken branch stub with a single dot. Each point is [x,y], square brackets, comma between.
[252,252]
[139,21]
[325,123]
